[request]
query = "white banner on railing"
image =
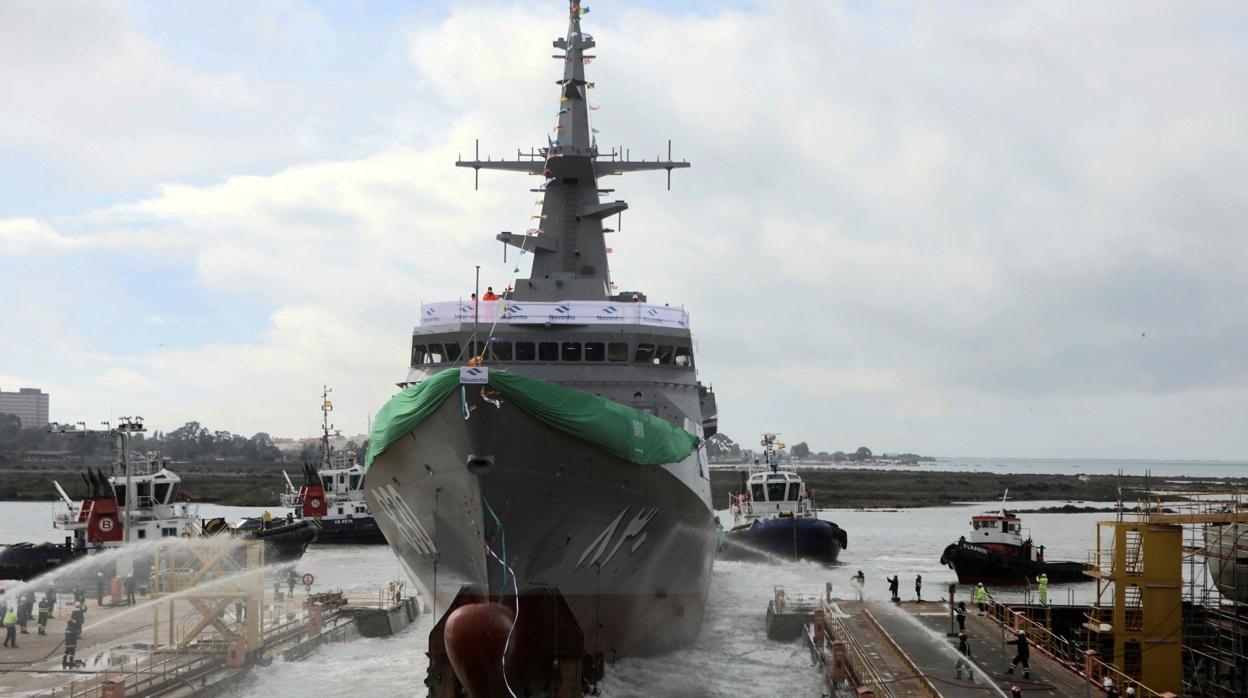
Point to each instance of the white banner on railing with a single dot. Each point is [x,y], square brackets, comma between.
[566,312]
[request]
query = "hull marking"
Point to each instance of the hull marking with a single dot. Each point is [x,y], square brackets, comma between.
[634,530]
[600,543]
[413,532]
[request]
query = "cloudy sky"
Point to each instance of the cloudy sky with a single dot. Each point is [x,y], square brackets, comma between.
[982,228]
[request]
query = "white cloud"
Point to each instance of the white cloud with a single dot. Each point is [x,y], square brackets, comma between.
[943,232]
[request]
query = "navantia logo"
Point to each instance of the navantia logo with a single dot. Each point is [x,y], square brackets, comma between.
[511,310]
[474,372]
[610,310]
[652,312]
[563,309]
[430,312]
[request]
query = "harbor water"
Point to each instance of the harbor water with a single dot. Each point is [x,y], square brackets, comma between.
[731,657]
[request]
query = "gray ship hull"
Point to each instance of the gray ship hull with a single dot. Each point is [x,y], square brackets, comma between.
[628,547]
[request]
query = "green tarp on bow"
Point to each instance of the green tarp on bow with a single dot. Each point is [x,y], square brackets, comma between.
[636,436]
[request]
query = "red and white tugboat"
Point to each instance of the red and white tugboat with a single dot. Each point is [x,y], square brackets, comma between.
[999,551]
[332,493]
[141,501]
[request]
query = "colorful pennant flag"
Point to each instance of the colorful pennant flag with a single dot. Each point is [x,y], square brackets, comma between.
[609,250]
[563,100]
[594,130]
[588,61]
[591,85]
[593,108]
[540,216]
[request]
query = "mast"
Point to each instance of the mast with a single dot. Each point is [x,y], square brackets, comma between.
[326,408]
[566,239]
[125,428]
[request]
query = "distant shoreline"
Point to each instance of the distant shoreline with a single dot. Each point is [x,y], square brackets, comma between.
[847,487]
[879,488]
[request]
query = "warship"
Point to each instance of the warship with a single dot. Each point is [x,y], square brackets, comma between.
[542,476]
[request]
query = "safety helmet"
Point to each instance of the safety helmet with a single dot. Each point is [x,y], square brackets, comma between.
[1022,633]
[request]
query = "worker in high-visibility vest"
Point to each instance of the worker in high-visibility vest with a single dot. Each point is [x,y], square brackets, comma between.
[1043,582]
[981,598]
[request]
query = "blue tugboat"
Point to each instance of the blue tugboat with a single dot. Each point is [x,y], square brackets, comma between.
[774,516]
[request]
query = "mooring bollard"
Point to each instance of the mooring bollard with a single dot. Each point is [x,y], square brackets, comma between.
[315,618]
[114,688]
[820,629]
[839,665]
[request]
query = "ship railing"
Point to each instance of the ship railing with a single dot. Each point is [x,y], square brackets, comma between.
[1082,661]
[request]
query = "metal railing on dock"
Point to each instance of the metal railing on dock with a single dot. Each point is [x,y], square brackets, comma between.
[1085,663]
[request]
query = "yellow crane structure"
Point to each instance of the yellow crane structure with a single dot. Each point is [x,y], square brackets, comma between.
[222,581]
[1138,568]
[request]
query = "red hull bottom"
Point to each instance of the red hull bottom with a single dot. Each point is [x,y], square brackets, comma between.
[485,647]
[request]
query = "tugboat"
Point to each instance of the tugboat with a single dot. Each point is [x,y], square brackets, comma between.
[331,495]
[998,551]
[109,517]
[541,475]
[774,516]
[159,509]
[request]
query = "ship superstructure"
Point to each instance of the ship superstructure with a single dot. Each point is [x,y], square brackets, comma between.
[542,476]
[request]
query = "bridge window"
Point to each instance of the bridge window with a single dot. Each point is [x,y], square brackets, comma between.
[756,492]
[355,481]
[595,351]
[617,351]
[501,350]
[684,357]
[547,351]
[452,351]
[571,351]
[418,354]
[162,492]
[664,356]
[434,354]
[775,491]
[645,354]
[526,351]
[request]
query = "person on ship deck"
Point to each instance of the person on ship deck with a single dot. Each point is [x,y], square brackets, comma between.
[489,294]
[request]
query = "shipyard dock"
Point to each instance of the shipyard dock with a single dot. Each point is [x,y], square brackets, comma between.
[198,631]
[877,648]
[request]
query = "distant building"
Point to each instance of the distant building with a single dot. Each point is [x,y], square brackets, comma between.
[29,404]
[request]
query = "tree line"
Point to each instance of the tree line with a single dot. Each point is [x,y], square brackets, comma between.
[191,441]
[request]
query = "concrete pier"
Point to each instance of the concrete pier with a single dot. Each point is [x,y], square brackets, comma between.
[879,648]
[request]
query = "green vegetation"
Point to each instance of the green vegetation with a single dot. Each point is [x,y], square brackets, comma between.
[853,488]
